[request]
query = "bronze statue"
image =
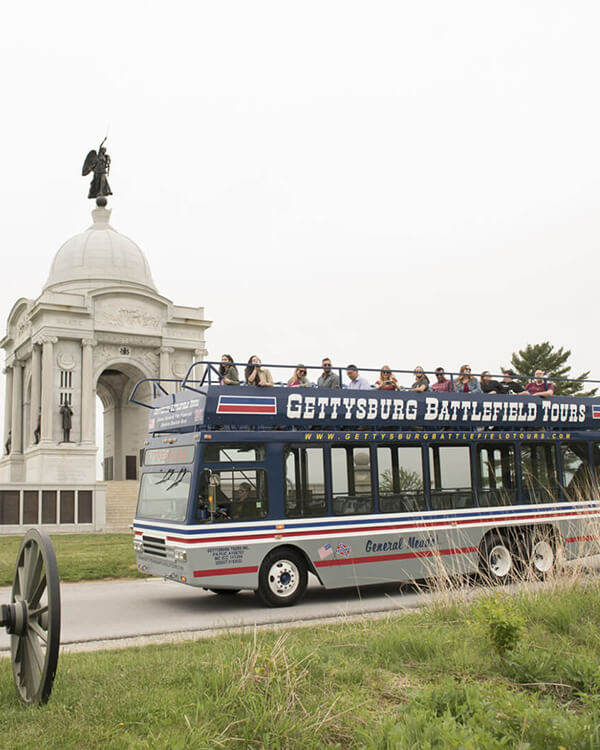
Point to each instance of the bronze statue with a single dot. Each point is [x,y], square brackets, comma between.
[99,164]
[66,413]
[38,428]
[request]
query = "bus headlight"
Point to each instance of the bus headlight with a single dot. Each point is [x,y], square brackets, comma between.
[138,545]
[180,555]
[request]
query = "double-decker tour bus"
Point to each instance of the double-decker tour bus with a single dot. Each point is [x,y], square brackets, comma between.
[246,487]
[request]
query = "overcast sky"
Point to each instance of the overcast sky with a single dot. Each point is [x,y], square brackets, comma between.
[394,183]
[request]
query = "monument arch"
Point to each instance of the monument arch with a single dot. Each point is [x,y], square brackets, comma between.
[98,326]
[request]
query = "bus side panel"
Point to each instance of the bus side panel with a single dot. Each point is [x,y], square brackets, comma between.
[353,560]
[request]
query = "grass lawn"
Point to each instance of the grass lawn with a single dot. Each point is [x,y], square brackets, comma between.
[519,671]
[81,557]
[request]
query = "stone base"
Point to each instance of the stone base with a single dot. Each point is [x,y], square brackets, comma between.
[65,463]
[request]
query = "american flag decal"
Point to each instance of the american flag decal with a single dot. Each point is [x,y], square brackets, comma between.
[247,405]
[596,411]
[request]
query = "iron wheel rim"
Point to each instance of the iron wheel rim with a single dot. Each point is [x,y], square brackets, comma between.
[36,592]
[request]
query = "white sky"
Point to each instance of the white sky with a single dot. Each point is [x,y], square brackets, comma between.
[394,183]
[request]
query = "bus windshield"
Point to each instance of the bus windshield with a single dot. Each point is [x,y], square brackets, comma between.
[164,494]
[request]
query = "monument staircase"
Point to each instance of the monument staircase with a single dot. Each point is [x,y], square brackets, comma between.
[121,500]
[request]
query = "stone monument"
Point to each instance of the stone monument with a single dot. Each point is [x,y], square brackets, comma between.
[98,326]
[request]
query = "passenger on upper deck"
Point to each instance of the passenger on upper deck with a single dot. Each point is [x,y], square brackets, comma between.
[228,371]
[443,383]
[257,375]
[328,379]
[355,379]
[467,383]
[299,378]
[421,383]
[387,381]
[508,385]
[540,386]
[488,385]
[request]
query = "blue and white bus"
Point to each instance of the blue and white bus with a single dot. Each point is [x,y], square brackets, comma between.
[255,488]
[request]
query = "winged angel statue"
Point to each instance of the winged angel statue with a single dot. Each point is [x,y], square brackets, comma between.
[99,164]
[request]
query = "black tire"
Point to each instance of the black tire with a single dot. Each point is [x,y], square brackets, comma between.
[282,578]
[497,559]
[225,592]
[541,555]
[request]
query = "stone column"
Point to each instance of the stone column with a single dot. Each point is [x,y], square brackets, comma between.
[198,372]
[36,382]
[48,391]
[17,408]
[8,372]
[164,368]
[88,392]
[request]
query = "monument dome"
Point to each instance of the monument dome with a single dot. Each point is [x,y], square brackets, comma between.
[98,257]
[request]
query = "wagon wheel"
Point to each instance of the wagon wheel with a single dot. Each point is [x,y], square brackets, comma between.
[33,618]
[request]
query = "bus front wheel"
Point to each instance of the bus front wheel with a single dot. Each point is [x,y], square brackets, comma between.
[497,559]
[282,579]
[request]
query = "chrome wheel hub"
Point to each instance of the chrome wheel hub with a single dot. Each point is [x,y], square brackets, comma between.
[283,578]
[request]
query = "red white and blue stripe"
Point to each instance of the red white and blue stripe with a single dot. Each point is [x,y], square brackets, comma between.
[247,405]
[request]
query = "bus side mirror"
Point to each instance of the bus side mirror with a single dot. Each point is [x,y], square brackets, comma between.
[212,494]
[203,483]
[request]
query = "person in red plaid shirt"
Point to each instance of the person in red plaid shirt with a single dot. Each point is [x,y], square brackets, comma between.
[442,383]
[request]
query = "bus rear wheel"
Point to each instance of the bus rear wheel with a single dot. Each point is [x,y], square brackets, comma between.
[541,558]
[497,559]
[282,578]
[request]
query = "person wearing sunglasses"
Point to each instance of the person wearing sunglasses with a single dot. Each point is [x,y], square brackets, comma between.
[467,383]
[442,383]
[387,381]
[328,379]
[421,383]
[299,378]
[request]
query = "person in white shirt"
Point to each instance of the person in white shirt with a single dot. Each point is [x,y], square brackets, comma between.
[356,382]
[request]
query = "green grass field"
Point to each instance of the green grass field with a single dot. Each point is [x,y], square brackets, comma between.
[501,672]
[81,557]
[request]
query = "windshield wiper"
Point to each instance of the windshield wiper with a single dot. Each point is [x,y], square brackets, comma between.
[181,474]
[166,477]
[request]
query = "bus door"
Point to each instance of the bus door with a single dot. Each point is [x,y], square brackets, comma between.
[451,491]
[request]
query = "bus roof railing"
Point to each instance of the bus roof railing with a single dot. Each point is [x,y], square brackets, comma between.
[156,386]
[212,368]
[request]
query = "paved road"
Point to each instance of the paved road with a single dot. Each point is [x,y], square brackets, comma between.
[112,613]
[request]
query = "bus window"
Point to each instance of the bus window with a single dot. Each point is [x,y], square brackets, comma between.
[497,475]
[225,453]
[539,472]
[400,479]
[577,481]
[241,495]
[305,483]
[450,477]
[351,481]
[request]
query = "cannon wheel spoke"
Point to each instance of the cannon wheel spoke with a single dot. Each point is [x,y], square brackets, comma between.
[35,644]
